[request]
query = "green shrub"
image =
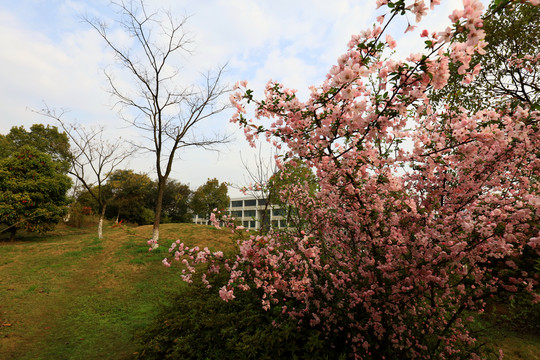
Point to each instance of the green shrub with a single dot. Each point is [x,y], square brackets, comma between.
[81,216]
[147,217]
[202,326]
[522,312]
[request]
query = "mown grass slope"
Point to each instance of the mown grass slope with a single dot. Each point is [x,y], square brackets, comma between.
[68,295]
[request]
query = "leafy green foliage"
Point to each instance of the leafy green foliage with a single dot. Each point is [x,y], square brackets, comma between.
[201,326]
[85,200]
[32,192]
[176,198]
[80,216]
[293,172]
[512,31]
[129,192]
[46,139]
[285,182]
[209,196]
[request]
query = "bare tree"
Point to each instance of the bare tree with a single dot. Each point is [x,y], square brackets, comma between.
[258,184]
[93,159]
[165,112]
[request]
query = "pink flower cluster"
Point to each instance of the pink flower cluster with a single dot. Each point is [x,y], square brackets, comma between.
[398,243]
[191,257]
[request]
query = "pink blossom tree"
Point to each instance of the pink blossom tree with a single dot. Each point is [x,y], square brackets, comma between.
[400,245]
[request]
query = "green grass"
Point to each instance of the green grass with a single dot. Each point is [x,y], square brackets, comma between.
[69,295]
[513,329]
[516,345]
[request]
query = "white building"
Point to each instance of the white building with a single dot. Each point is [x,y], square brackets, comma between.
[252,213]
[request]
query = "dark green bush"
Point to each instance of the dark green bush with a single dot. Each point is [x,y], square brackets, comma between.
[522,313]
[516,310]
[202,326]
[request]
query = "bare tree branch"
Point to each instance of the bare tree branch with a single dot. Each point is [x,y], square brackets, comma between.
[168,114]
[93,158]
[257,184]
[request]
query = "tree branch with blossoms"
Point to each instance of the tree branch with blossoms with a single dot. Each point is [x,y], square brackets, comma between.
[401,243]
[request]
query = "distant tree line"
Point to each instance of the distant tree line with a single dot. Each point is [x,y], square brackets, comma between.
[34,182]
[133,199]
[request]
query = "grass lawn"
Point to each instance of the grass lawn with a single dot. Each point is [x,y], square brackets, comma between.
[68,295]
[516,345]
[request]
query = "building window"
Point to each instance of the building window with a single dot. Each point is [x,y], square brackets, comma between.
[282,223]
[246,224]
[252,202]
[275,223]
[236,203]
[249,213]
[236,213]
[252,224]
[278,212]
[262,202]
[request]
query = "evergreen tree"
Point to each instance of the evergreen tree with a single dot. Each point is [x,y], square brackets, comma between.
[32,191]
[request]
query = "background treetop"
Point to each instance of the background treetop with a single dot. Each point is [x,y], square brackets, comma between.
[46,139]
[508,71]
[32,191]
[209,196]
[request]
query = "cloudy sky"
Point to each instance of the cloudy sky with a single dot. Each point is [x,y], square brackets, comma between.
[51,57]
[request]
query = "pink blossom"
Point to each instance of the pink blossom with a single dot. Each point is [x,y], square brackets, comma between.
[534,242]
[381,3]
[226,294]
[410,28]
[392,235]
[419,9]
[390,41]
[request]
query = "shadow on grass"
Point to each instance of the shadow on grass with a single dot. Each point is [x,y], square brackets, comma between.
[23,236]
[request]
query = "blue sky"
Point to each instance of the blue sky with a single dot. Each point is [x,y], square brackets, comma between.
[51,57]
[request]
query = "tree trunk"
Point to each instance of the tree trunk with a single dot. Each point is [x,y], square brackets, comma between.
[265,223]
[12,232]
[159,204]
[100,223]
[100,228]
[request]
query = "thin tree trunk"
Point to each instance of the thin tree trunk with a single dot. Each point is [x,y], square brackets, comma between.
[265,228]
[100,224]
[12,232]
[100,228]
[157,214]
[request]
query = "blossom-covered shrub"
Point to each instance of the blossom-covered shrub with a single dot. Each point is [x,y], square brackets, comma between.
[415,206]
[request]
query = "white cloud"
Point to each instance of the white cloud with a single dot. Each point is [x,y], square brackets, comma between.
[36,69]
